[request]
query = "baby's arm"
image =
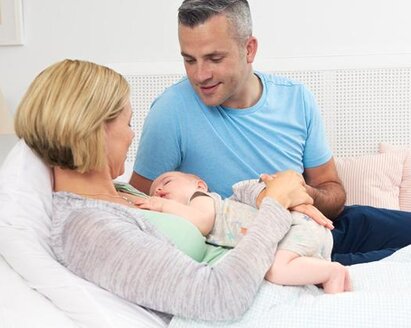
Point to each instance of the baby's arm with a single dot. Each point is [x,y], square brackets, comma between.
[251,192]
[199,212]
[247,192]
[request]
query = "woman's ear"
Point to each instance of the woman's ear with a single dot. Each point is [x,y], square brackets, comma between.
[202,185]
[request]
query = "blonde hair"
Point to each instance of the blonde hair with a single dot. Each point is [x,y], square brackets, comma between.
[62,115]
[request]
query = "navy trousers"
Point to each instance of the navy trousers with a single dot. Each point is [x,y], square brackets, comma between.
[365,234]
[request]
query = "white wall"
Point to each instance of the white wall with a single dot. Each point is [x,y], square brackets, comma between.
[293,34]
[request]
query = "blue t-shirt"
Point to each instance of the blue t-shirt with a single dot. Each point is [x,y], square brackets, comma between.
[283,130]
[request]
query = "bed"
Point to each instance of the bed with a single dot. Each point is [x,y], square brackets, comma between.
[367,114]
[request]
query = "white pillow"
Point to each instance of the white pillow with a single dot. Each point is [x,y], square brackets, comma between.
[25,202]
[405,187]
[128,170]
[17,298]
[372,180]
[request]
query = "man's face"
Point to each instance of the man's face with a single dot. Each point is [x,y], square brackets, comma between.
[216,63]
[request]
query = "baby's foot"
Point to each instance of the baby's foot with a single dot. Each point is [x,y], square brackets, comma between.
[339,280]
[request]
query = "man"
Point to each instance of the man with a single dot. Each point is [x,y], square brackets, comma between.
[227,123]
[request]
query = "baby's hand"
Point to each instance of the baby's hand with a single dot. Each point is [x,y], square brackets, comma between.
[153,203]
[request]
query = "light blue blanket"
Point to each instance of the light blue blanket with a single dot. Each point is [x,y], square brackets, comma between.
[381,297]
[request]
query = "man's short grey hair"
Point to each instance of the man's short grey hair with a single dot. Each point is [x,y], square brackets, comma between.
[194,12]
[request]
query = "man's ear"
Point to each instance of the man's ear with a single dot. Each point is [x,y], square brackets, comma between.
[202,185]
[251,48]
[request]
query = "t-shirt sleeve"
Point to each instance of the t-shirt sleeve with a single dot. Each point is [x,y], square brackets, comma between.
[317,150]
[159,149]
[247,191]
[119,256]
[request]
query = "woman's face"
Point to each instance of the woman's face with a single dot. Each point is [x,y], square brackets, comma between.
[119,136]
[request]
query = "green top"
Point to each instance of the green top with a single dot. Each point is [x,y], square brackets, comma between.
[181,232]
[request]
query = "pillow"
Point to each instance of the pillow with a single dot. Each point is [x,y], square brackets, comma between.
[17,298]
[25,202]
[405,187]
[373,180]
[128,170]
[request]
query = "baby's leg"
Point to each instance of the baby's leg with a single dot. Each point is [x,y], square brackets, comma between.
[291,269]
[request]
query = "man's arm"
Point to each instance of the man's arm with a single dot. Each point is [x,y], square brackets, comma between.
[325,187]
[141,183]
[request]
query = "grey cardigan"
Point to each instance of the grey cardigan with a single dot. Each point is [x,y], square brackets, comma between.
[114,247]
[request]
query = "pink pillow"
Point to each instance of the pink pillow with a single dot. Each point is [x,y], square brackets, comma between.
[372,180]
[405,187]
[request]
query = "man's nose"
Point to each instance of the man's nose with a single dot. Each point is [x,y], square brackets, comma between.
[203,72]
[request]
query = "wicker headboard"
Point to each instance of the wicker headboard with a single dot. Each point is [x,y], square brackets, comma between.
[360,107]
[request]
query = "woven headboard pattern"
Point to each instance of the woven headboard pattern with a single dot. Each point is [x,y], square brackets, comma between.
[360,107]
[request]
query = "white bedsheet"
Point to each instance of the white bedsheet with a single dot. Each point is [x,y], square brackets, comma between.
[381,298]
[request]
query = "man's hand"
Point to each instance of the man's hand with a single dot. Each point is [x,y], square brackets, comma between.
[314,214]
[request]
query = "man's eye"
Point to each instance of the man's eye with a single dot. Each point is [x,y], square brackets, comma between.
[189,61]
[217,60]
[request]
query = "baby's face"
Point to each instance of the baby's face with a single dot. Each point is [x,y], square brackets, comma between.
[174,185]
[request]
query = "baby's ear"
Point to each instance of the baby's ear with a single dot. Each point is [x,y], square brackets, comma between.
[202,185]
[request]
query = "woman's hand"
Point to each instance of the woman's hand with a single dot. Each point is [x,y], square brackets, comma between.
[287,188]
[314,213]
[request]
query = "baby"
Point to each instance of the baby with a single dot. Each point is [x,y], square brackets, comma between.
[303,255]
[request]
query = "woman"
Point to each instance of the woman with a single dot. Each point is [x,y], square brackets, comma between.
[76,117]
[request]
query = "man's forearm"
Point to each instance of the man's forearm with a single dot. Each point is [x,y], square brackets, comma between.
[329,198]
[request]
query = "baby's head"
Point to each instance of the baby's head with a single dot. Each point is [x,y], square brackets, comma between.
[177,186]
